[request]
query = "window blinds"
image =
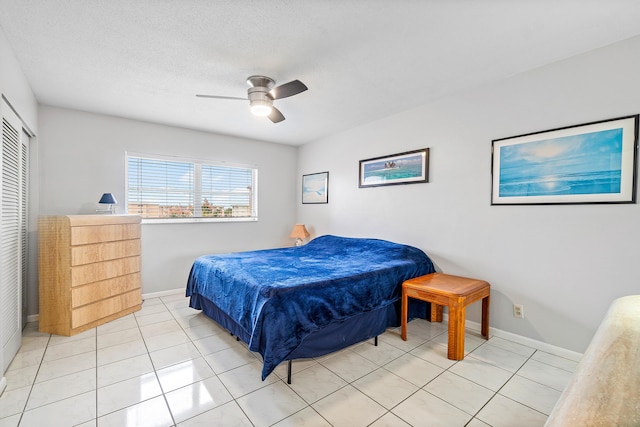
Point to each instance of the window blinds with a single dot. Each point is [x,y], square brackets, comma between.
[159,188]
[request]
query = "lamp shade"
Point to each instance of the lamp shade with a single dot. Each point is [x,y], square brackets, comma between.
[299,232]
[108,199]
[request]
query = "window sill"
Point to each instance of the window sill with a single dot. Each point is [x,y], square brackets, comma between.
[194,220]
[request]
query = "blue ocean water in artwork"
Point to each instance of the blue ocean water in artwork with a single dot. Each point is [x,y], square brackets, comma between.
[408,167]
[589,163]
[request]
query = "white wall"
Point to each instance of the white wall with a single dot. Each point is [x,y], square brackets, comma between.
[17,92]
[82,155]
[14,86]
[566,264]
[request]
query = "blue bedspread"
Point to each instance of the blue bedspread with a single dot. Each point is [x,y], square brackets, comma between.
[280,296]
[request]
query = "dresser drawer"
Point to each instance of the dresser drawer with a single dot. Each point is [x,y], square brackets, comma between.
[104,233]
[100,309]
[87,294]
[87,254]
[83,274]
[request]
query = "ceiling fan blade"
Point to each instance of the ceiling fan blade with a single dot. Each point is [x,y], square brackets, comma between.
[288,89]
[275,116]
[221,97]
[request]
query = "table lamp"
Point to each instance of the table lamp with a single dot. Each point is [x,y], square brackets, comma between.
[299,232]
[108,199]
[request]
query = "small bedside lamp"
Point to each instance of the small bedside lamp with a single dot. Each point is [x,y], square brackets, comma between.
[299,232]
[108,199]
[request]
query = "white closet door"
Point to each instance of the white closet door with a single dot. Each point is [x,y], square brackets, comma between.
[11,262]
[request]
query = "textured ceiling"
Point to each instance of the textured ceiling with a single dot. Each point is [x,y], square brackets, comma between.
[361,59]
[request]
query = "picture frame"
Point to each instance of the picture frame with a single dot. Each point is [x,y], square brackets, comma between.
[315,188]
[410,167]
[589,163]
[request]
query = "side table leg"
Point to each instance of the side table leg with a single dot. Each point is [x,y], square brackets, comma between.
[404,312]
[436,312]
[457,317]
[485,317]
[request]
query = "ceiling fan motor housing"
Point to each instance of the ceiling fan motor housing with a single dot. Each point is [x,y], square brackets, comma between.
[261,81]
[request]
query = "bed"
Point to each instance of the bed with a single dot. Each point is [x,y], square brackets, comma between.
[307,301]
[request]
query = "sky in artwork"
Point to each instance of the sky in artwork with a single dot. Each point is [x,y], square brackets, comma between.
[589,152]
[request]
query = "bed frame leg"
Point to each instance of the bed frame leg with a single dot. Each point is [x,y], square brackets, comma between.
[375,341]
[289,372]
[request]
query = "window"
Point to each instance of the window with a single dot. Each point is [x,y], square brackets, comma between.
[171,188]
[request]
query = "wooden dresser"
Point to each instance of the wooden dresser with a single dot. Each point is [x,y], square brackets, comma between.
[89,270]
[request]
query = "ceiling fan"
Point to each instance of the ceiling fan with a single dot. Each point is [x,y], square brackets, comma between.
[262,93]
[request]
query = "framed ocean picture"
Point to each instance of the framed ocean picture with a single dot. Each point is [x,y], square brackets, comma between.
[589,163]
[410,167]
[315,188]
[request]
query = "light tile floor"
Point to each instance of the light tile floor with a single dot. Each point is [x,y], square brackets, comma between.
[169,365]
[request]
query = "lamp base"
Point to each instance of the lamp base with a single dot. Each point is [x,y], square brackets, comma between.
[110,210]
[298,241]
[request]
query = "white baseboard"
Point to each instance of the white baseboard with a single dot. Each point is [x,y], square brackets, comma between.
[163,293]
[34,317]
[529,342]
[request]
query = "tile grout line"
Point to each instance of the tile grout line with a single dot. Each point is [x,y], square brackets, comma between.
[501,387]
[469,354]
[201,355]
[97,384]
[234,399]
[155,371]
[405,352]
[26,402]
[434,378]
[97,367]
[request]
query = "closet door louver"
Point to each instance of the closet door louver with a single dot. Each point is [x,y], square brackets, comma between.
[24,221]
[12,251]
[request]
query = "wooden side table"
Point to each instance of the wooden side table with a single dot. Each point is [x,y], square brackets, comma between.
[455,292]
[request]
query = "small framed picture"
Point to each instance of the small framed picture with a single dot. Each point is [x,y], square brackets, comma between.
[315,188]
[411,167]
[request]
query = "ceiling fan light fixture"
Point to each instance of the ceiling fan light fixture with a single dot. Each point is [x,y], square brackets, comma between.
[261,107]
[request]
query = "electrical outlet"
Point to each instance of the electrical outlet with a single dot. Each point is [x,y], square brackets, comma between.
[518,311]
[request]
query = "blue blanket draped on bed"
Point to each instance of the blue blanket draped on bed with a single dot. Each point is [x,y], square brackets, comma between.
[280,296]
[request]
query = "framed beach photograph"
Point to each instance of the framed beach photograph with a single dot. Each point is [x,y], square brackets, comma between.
[315,188]
[411,167]
[589,163]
